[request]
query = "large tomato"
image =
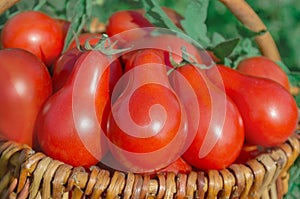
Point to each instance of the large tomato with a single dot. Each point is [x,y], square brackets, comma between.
[69,125]
[147,124]
[213,118]
[35,32]
[25,84]
[269,111]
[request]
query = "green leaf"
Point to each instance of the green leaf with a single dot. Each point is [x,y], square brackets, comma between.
[194,21]
[217,38]
[103,9]
[247,33]
[225,48]
[155,14]
[26,5]
[78,11]
[294,78]
[283,66]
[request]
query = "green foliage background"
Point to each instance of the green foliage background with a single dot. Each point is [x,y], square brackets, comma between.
[282,17]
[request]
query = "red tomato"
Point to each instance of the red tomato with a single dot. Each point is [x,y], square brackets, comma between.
[248,152]
[153,56]
[264,67]
[213,119]
[269,111]
[166,44]
[25,84]
[64,25]
[69,125]
[65,63]
[122,21]
[92,37]
[178,166]
[146,126]
[35,32]
[64,66]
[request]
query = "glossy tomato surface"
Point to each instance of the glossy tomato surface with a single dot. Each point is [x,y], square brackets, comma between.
[147,126]
[261,66]
[63,67]
[69,125]
[35,32]
[269,111]
[25,84]
[219,125]
[124,21]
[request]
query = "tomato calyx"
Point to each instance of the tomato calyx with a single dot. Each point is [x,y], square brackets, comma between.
[187,59]
[104,45]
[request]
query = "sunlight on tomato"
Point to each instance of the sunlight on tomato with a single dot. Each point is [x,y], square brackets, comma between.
[35,32]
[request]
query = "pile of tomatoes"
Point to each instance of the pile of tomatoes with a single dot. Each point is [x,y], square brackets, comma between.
[136,98]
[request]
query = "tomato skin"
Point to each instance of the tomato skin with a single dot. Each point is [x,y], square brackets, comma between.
[147,120]
[217,115]
[65,129]
[63,68]
[35,32]
[64,26]
[124,20]
[25,84]
[165,44]
[153,56]
[178,166]
[261,66]
[83,37]
[248,152]
[65,63]
[269,111]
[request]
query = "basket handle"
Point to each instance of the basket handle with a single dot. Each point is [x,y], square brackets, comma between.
[6,4]
[245,14]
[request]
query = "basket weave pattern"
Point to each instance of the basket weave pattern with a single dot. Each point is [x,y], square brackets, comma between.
[23,170]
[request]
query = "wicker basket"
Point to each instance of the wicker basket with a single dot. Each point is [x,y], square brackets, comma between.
[25,173]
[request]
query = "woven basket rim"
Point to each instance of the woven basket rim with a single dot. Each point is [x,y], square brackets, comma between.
[47,177]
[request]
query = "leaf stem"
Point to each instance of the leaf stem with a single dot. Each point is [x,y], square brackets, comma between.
[246,15]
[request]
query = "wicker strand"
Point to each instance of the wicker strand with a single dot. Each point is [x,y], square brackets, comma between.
[39,176]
